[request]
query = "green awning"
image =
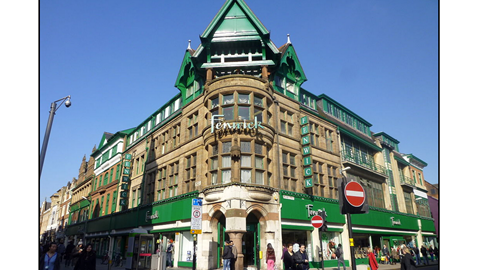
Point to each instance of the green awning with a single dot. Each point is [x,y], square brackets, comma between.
[297,227]
[386,233]
[179,229]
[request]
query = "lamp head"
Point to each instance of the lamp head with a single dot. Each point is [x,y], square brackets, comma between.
[68,103]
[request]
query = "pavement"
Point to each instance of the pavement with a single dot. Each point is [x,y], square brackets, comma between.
[101,266]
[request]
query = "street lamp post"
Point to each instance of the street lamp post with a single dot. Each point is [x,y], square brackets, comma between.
[53,109]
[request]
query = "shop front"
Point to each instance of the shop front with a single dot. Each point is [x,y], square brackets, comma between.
[383,227]
[296,213]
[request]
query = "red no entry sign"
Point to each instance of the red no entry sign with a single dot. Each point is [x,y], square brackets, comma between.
[355,194]
[317,221]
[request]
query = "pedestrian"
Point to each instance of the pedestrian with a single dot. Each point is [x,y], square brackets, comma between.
[394,256]
[430,250]
[284,249]
[407,262]
[424,254]
[61,249]
[289,263]
[386,254]
[51,259]
[234,259]
[87,260]
[372,260]
[227,255]
[417,254]
[270,260]
[68,253]
[301,258]
[339,254]
[170,251]
[75,252]
[435,251]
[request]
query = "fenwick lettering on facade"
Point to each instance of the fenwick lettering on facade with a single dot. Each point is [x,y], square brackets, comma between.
[234,125]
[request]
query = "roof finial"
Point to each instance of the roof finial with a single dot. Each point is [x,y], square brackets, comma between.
[288,39]
[189,48]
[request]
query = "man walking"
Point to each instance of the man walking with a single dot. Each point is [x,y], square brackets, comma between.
[339,255]
[424,254]
[301,258]
[417,254]
[227,255]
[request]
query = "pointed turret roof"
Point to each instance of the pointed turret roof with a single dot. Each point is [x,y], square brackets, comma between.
[235,22]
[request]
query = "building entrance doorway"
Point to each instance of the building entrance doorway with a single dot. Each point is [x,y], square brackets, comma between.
[251,243]
[221,240]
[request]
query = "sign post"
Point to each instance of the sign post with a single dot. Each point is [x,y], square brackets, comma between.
[354,194]
[317,222]
[196,226]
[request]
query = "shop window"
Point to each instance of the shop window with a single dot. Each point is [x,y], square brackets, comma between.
[186,247]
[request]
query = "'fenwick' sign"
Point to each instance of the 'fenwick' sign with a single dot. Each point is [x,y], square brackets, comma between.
[311,212]
[233,125]
[395,222]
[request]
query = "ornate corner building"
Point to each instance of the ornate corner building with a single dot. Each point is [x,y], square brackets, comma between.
[262,152]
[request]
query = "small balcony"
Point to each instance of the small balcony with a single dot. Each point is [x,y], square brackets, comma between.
[363,161]
[406,181]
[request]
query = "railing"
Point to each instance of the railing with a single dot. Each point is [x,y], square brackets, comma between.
[363,161]
[404,180]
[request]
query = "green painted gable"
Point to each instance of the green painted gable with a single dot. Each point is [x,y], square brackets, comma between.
[235,40]
[289,76]
[189,82]
[235,18]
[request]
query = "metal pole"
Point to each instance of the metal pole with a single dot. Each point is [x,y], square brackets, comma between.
[321,248]
[47,135]
[194,265]
[352,248]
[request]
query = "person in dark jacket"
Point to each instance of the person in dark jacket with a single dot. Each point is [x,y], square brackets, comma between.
[68,253]
[51,259]
[417,254]
[87,259]
[339,255]
[227,255]
[407,262]
[288,258]
[424,254]
[301,258]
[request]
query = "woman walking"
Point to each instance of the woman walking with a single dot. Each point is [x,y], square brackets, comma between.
[407,262]
[87,259]
[270,257]
[288,258]
[372,260]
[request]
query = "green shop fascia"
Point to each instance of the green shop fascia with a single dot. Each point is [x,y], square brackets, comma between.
[378,227]
[165,212]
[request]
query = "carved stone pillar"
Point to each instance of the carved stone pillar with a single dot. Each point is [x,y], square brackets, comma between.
[209,74]
[264,72]
[236,237]
[235,154]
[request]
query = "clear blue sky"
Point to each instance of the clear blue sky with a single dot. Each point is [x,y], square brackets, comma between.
[119,61]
